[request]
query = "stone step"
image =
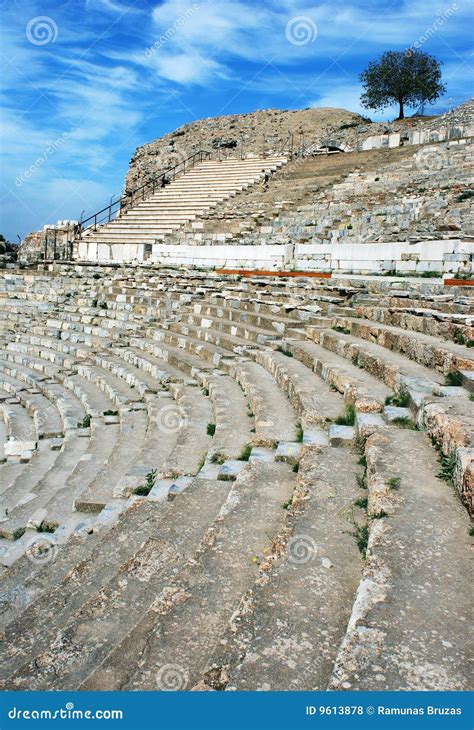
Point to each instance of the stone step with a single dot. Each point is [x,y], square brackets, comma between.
[21,366]
[39,486]
[189,422]
[230,339]
[314,404]
[47,419]
[22,434]
[190,365]
[445,412]
[275,419]
[138,459]
[392,368]
[190,613]
[145,548]
[358,387]
[3,437]
[202,186]
[234,424]
[17,484]
[207,351]
[421,348]
[415,568]
[449,326]
[259,316]
[287,630]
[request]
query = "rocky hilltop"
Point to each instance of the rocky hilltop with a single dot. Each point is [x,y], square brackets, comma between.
[268,131]
[260,131]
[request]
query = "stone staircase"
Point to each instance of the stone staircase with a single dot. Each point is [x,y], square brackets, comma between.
[215,483]
[383,195]
[184,199]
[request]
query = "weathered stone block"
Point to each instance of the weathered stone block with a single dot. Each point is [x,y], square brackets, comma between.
[341,435]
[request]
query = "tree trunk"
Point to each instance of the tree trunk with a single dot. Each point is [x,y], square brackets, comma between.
[400,113]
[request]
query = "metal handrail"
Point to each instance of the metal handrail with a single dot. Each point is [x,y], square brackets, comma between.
[287,143]
[127,199]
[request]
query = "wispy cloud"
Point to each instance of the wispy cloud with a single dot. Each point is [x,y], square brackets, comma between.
[119,73]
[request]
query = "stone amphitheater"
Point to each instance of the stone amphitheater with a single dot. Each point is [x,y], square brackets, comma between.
[247,481]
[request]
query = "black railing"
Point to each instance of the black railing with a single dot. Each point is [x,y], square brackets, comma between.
[287,146]
[131,198]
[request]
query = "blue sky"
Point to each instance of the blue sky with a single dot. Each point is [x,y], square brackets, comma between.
[84,82]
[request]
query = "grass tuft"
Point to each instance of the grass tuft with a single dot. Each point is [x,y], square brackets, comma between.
[144,489]
[347,418]
[454,378]
[465,195]
[44,527]
[299,432]
[458,337]
[394,482]
[284,351]
[400,400]
[361,480]
[245,453]
[361,534]
[448,465]
[217,458]
[405,422]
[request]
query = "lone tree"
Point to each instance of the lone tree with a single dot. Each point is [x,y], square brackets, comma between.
[408,77]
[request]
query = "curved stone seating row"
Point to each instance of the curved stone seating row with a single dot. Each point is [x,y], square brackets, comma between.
[252,460]
[457,327]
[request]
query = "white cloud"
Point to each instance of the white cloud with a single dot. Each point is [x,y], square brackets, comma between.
[111,6]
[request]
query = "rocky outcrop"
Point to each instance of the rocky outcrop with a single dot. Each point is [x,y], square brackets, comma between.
[268,131]
[264,131]
[52,242]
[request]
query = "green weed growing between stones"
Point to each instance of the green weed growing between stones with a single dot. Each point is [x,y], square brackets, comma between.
[144,489]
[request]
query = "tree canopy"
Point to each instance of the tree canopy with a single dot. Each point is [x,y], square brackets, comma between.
[405,77]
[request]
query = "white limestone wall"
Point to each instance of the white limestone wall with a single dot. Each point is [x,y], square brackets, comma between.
[442,256]
[264,257]
[110,253]
[419,136]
